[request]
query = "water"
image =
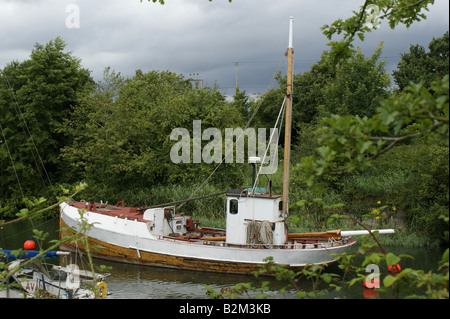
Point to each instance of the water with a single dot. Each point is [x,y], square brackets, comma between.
[142,282]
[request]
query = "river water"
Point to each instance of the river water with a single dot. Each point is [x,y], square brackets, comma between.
[143,282]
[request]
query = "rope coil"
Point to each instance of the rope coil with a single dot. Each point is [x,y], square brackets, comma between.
[259,233]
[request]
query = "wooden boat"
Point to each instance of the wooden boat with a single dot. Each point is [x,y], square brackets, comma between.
[255,229]
[159,237]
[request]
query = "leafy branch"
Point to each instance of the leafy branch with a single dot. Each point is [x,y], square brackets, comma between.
[405,12]
[75,236]
[26,213]
[350,143]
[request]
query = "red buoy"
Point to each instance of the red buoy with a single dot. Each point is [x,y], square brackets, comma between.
[394,268]
[29,245]
[372,282]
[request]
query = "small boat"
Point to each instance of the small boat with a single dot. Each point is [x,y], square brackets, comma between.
[37,279]
[256,228]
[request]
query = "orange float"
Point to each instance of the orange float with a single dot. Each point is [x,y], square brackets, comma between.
[394,268]
[29,245]
[370,284]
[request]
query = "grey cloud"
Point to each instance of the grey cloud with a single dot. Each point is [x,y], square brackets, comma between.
[197,36]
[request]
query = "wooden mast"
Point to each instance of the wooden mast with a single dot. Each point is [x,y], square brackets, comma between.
[287,136]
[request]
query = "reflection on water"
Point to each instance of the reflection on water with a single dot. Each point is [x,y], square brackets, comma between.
[143,282]
[133,281]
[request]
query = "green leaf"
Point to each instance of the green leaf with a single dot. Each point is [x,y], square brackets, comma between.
[389,280]
[355,280]
[23,212]
[392,259]
[301,294]
[365,146]
[301,203]
[360,36]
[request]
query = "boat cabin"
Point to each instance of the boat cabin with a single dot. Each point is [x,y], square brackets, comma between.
[254,218]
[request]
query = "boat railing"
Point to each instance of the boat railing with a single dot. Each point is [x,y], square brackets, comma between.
[297,243]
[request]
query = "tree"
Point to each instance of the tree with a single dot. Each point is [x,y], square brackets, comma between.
[242,103]
[418,65]
[417,115]
[358,86]
[35,96]
[351,87]
[122,130]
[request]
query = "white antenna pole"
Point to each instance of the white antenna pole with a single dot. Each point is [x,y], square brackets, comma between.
[291,32]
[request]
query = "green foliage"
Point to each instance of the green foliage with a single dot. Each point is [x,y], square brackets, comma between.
[351,142]
[359,85]
[368,18]
[315,275]
[413,178]
[417,283]
[229,292]
[34,207]
[35,96]
[242,103]
[123,128]
[6,272]
[349,145]
[418,65]
[407,283]
[353,87]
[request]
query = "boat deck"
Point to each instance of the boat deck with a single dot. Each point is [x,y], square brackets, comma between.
[135,213]
[130,213]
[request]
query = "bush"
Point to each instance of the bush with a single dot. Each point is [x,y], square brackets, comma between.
[414,178]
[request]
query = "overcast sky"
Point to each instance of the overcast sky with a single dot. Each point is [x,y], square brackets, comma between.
[197,36]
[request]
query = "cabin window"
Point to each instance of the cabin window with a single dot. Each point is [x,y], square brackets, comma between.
[233,206]
[178,225]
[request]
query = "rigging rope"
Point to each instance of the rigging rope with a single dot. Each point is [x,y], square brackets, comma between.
[246,126]
[12,161]
[281,113]
[21,116]
[25,125]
